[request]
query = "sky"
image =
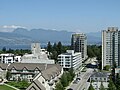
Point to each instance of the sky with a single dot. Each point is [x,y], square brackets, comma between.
[71,15]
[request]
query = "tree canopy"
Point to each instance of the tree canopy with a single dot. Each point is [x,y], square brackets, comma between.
[91,87]
[102,87]
[111,85]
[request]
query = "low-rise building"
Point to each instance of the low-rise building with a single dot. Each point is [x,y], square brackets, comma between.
[70,60]
[27,71]
[46,79]
[9,58]
[99,77]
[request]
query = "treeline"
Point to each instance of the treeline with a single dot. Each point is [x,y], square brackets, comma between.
[16,52]
[56,49]
[94,51]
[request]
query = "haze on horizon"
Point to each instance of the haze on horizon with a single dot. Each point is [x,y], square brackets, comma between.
[71,15]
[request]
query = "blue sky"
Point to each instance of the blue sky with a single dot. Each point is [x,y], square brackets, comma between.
[70,15]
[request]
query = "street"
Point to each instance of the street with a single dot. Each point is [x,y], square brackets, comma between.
[82,84]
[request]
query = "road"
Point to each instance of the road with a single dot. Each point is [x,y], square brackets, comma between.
[82,84]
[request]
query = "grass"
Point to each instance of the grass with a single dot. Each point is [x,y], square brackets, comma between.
[22,85]
[4,87]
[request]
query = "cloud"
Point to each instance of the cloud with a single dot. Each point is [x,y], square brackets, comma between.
[9,28]
[12,27]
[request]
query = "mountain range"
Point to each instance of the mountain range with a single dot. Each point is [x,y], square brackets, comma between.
[25,36]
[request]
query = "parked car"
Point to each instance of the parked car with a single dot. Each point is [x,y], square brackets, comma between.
[78,79]
[70,89]
[75,82]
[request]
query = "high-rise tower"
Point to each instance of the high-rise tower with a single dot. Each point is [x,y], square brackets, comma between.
[111,47]
[79,44]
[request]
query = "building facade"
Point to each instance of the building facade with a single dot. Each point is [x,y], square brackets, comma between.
[99,77]
[111,47]
[47,79]
[70,60]
[38,55]
[9,58]
[27,71]
[79,44]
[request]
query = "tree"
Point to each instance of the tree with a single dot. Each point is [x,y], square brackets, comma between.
[71,71]
[91,87]
[59,86]
[117,82]
[4,49]
[111,85]
[49,47]
[69,77]
[102,87]
[54,55]
[107,67]
[55,47]
[59,47]
[8,75]
[90,52]
[64,80]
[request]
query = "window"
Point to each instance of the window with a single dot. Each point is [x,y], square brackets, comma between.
[43,82]
[104,78]
[25,70]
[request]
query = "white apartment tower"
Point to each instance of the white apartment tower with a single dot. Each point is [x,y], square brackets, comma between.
[79,44]
[111,47]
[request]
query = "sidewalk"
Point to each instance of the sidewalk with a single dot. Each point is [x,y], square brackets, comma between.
[12,87]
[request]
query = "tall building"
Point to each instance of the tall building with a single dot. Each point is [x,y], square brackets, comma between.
[79,44]
[111,47]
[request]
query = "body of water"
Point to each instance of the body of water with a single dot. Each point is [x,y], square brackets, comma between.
[14,46]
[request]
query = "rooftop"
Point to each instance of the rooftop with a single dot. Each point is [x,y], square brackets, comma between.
[99,74]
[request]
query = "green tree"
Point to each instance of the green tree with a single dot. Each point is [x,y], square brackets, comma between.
[69,77]
[107,67]
[59,48]
[117,82]
[90,52]
[91,87]
[10,50]
[4,49]
[102,87]
[59,86]
[71,71]
[54,55]
[8,75]
[64,80]
[111,85]
[49,47]
[55,47]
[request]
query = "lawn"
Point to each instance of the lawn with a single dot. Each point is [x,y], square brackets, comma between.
[4,87]
[22,85]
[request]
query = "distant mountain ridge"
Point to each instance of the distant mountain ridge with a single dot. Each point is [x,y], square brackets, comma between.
[24,36]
